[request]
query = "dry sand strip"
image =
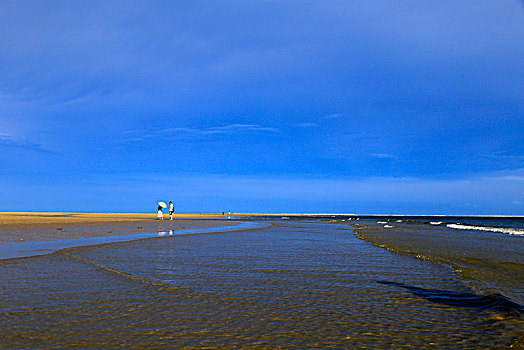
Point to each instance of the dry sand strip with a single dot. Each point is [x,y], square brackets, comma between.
[17,220]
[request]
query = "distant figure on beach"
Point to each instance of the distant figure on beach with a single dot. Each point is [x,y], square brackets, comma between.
[171,209]
[160,214]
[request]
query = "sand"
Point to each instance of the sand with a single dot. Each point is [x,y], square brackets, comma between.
[20,220]
[18,228]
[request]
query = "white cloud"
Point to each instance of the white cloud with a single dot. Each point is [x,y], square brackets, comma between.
[235,128]
[227,129]
[384,156]
[138,135]
[505,178]
[10,142]
[306,125]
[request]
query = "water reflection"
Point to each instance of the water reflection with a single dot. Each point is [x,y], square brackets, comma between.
[44,241]
[164,233]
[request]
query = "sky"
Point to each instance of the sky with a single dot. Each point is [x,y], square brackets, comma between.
[366,107]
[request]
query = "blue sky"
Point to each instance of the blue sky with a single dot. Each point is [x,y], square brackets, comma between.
[404,107]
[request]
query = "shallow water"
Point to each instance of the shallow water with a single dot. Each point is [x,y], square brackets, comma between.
[291,285]
[24,242]
[491,262]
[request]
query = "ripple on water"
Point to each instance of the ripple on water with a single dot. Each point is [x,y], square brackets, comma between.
[306,285]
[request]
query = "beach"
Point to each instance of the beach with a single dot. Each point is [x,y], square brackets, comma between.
[27,234]
[293,282]
[50,220]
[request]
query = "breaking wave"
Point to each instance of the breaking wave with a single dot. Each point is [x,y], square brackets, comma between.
[511,231]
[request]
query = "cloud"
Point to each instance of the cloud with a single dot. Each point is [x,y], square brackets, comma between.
[138,135]
[505,178]
[9,142]
[236,128]
[227,129]
[384,156]
[505,175]
[306,125]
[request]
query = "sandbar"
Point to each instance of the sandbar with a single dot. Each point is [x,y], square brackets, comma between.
[26,233]
[14,220]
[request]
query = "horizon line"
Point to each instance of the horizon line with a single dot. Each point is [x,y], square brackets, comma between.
[267,214]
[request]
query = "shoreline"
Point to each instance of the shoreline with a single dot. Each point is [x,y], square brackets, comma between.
[28,234]
[27,249]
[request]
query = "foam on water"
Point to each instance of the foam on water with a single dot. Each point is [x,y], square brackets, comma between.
[511,231]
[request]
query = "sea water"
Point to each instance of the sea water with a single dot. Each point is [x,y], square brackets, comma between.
[293,283]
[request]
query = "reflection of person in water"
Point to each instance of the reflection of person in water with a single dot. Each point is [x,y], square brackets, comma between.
[171,209]
[160,214]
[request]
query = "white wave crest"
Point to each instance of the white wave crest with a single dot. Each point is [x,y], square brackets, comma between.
[436,222]
[511,231]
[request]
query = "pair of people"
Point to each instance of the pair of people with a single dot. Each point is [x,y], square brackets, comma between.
[160,214]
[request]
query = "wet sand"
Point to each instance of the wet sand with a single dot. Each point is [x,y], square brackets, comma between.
[26,234]
[19,220]
[51,226]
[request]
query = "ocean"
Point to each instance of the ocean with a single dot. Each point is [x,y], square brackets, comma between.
[289,282]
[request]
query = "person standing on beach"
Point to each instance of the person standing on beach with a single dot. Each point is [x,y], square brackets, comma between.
[160,214]
[171,209]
